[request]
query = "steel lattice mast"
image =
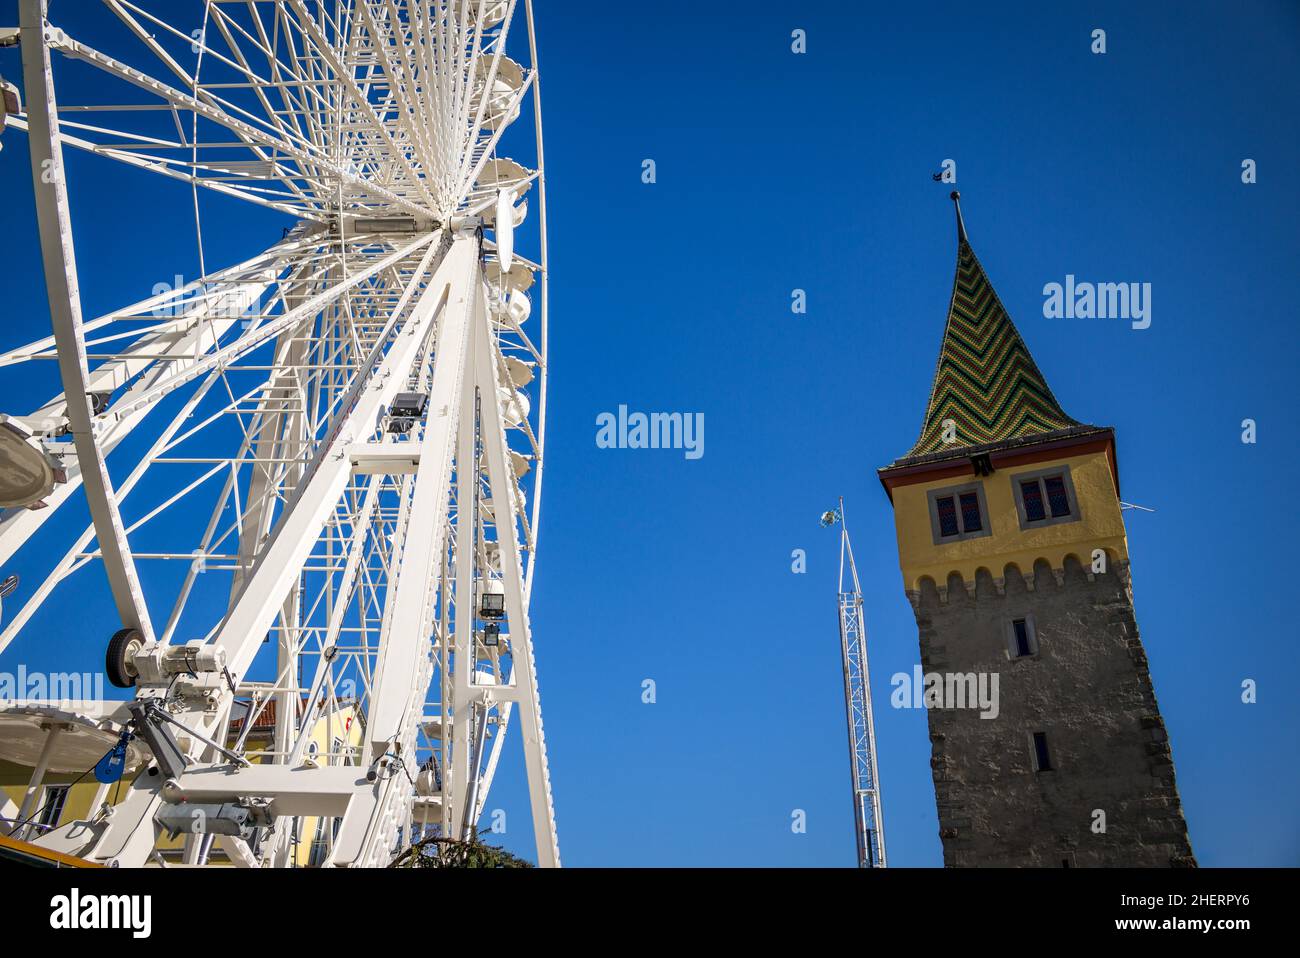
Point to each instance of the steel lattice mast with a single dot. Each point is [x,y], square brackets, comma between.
[868,822]
[338,429]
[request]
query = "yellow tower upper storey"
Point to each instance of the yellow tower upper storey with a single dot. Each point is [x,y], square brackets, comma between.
[1001,476]
[1042,503]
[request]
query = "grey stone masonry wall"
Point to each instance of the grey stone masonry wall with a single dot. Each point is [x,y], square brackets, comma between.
[1087,686]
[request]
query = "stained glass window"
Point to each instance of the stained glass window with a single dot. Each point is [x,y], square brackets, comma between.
[1057,496]
[1032,496]
[947,516]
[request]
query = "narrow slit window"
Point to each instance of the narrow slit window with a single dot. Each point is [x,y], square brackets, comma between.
[947,516]
[1042,759]
[1032,496]
[970,512]
[1023,645]
[1057,497]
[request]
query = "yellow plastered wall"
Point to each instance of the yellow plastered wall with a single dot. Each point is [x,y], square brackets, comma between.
[80,802]
[328,732]
[1101,525]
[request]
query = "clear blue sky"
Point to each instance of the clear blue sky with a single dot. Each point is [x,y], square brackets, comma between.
[776,172]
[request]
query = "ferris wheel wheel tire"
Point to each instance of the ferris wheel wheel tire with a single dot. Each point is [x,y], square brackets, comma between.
[119,660]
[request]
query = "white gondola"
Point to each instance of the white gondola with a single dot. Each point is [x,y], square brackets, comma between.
[502,106]
[27,473]
[513,310]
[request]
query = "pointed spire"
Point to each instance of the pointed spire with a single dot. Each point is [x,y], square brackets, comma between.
[961,225]
[987,388]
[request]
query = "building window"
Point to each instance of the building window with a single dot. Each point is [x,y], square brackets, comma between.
[1045,497]
[56,796]
[1031,493]
[1022,639]
[320,844]
[1042,758]
[1058,501]
[957,513]
[947,516]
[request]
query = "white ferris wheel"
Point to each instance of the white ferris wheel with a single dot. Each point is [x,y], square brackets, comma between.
[313,477]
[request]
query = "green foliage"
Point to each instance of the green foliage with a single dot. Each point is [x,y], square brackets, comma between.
[438,852]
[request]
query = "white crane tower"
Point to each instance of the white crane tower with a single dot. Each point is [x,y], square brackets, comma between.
[868,822]
[313,476]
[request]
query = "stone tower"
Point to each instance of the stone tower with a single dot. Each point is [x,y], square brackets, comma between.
[1015,560]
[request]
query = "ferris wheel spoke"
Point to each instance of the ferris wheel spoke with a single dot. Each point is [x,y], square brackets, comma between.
[314,164]
[53,418]
[329,643]
[293,132]
[401,88]
[486,92]
[483,154]
[216,286]
[163,166]
[65,565]
[373,122]
[256,337]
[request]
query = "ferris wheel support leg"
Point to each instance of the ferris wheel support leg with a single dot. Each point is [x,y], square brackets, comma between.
[494,756]
[129,835]
[299,527]
[408,638]
[404,668]
[65,315]
[525,694]
[458,773]
[279,431]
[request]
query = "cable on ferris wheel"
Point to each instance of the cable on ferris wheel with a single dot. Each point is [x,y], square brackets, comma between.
[322,515]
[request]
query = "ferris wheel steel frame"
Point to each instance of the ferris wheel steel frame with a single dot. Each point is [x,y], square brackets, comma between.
[360,540]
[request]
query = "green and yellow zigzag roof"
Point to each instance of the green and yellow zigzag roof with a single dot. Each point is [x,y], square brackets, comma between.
[986,381]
